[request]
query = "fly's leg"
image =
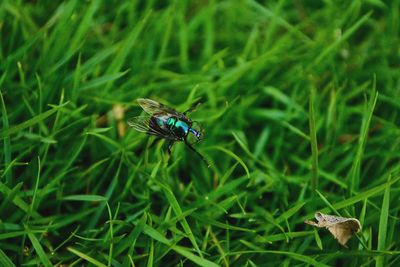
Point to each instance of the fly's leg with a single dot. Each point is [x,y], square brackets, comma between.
[192,108]
[170,144]
[155,142]
[198,154]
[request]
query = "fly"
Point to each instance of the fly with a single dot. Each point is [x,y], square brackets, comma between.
[166,123]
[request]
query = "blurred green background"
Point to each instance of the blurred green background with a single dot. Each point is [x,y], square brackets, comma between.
[300,106]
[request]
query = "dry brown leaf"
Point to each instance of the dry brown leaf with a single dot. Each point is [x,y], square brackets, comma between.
[119,114]
[341,228]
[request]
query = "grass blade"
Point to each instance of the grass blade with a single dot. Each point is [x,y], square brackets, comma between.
[90,198]
[313,141]
[178,212]
[4,260]
[181,250]
[233,155]
[383,225]
[86,257]
[339,41]
[39,250]
[7,143]
[14,129]
[354,178]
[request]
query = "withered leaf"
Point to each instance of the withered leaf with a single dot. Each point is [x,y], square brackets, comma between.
[341,228]
[119,113]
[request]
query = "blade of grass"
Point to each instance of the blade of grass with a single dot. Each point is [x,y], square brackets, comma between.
[290,212]
[32,207]
[383,225]
[125,47]
[14,129]
[318,239]
[178,212]
[7,143]
[233,155]
[313,141]
[131,239]
[10,197]
[342,39]
[90,198]
[14,234]
[39,250]
[111,234]
[303,258]
[279,20]
[101,81]
[357,198]
[109,193]
[181,250]
[354,175]
[219,248]
[86,257]
[18,201]
[4,260]
[282,237]
[150,259]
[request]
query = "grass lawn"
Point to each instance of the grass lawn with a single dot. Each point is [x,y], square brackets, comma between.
[300,103]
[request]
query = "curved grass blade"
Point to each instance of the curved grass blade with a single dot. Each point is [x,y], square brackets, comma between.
[233,155]
[6,132]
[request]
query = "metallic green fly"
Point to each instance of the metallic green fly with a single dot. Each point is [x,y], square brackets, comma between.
[167,123]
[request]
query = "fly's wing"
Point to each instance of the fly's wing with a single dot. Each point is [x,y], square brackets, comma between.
[140,124]
[145,125]
[153,107]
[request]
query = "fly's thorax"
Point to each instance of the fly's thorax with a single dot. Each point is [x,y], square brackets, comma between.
[175,127]
[181,128]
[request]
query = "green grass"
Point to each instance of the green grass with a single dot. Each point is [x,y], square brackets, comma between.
[300,106]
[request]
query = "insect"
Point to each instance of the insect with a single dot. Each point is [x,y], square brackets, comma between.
[167,123]
[341,228]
